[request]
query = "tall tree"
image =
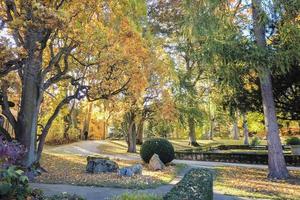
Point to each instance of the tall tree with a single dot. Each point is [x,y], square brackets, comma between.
[236,35]
[276,162]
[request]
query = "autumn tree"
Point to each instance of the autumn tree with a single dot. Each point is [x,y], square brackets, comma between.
[61,41]
[143,100]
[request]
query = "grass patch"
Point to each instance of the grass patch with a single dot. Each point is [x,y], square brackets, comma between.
[120,146]
[115,147]
[70,169]
[249,182]
[137,196]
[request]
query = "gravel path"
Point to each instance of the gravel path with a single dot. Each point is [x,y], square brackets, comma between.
[87,148]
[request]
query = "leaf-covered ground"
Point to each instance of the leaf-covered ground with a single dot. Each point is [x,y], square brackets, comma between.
[253,183]
[70,169]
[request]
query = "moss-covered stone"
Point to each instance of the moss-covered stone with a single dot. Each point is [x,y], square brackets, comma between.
[197,184]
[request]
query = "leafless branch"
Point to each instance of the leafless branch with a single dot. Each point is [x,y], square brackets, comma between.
[10,66]
[5,106]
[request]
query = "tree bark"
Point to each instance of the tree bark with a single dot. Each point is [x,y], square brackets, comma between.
[192,132]
[235,129]
[140,133]
[132,138]
[276,163]
[30,99]
[87,120]
[245,129]
[130,127]
[211,130]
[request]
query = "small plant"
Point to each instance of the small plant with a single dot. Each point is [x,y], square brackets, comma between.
[255,141]
[137,196]
[13,184]
[162,147]
[10,152]
[65,196]
[293,141]
[196,184]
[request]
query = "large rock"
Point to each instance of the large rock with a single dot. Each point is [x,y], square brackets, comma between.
[155,163]
[100,165]
[130,171]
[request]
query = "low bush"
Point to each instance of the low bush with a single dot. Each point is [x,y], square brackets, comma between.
[196,184]
[65,196]
[255,141]
[293,141]
[162,147]
[13,184]
[137,196]
[10,152]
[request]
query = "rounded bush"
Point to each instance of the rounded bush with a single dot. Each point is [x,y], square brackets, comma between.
[293,141]
[162,147]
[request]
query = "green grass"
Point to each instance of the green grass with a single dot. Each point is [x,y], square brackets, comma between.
[137,196]
[253,183]
[120,146]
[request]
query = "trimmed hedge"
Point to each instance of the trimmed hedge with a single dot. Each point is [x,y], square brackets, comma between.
[162,147]
[137,196]
[293,141]
[196,184]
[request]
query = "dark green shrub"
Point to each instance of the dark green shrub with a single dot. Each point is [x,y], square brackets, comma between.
[13,184]
[137,196]
[196,184]
[255,141]
[293,141]
[162,147]
[65,196]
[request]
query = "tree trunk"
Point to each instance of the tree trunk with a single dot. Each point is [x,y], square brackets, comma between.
[211,130]
[276,162]
[31,99]
[192,134]
[140,133]
[132,138]
[88,117]
[130,127]
[245,128]
[210,118]
[236,130]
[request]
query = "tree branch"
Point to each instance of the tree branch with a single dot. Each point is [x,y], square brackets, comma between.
[5,106]
[79,94]
[10,66]
[5,134]
[109,94]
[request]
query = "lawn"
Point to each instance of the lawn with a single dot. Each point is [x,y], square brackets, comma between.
[120,146]
[249,182]
[70,169]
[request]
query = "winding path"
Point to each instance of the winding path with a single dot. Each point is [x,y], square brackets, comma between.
[85,148]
